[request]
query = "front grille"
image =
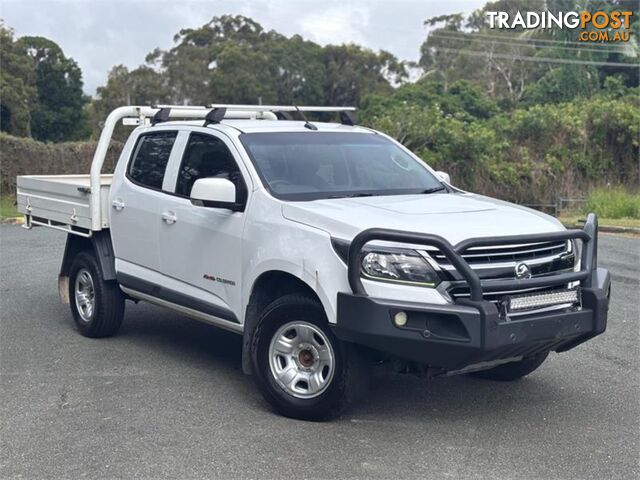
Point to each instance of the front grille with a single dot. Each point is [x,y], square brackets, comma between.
[499,262]
[534,252]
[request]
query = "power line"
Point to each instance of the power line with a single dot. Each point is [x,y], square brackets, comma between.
[513,38]
[496,42]
[525,58]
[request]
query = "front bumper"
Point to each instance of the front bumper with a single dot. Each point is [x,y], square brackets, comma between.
[456,336]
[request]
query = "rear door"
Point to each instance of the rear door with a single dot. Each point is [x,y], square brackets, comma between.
[201,247]
[135,198]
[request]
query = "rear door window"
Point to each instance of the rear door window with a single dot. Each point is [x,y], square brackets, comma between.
[150,157]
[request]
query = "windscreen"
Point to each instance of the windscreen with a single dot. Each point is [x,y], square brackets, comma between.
[314,165]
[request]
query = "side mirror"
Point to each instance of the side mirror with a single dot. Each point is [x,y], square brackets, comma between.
[216,193]
[444,176]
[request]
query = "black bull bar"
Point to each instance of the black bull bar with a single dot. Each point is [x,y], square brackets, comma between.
[471,331]
[588,236]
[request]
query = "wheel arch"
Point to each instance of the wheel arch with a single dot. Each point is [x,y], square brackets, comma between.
[100,244]
[267,287]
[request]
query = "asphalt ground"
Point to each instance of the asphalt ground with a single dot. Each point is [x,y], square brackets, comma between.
[166,398]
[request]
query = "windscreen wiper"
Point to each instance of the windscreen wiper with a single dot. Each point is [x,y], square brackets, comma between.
[352,195]
[434,189]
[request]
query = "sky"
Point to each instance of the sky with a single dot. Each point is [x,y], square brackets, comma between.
[99,34]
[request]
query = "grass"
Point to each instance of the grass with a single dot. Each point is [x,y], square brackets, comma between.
[575,219]
[613,203]
[7,207]
[614,207]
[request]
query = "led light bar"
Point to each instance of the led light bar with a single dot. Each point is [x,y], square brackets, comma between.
[541,300]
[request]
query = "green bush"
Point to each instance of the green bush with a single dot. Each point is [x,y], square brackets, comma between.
[614,203]
[25,156]
[530,155]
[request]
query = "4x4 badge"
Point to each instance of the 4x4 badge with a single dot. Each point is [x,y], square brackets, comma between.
[522,271]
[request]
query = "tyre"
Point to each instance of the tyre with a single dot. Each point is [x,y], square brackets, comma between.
[97,305]
[301,368]
[512,371]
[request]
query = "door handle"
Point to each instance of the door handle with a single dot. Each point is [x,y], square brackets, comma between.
[169,218]
[118,204]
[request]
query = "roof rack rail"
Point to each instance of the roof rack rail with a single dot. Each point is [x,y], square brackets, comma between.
[216,112]
[280,108]
[155,114]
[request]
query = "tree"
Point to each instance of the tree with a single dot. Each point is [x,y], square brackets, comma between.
[142,86]
[233,59]
[462,47]
[222,61]
[532,66]
[435,59]
[16,83]
[353,72]
[297,69]
[628,52]
[58,112]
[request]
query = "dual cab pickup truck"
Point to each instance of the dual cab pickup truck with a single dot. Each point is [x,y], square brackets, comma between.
[327,246]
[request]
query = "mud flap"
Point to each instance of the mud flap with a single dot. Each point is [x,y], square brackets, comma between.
[63,289]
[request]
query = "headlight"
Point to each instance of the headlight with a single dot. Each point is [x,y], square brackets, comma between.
[571,258]
[401,266]
[575,247]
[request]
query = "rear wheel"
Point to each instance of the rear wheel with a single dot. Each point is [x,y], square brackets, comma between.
[97,305]
[514,370]
[301,368]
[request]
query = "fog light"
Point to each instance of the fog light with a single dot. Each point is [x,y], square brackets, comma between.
[400,319]
[527,302]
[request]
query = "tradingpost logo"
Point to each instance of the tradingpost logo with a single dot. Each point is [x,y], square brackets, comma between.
[597,26]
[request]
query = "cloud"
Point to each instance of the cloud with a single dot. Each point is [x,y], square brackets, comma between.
[340,24]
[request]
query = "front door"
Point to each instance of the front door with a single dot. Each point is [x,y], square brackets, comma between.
[201,247]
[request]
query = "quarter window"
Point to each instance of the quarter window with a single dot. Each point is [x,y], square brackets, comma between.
[207,156]
[150,158]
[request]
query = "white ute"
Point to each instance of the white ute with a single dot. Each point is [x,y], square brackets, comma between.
[328,246]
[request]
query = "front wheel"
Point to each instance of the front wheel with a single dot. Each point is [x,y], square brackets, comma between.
[301,368]
[514,370]
[97,305]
